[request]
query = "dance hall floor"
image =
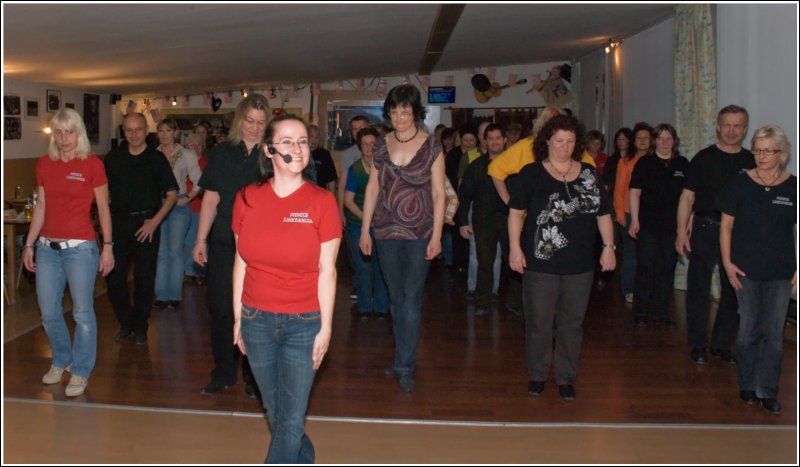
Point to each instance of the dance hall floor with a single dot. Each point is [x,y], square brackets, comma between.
[470,374]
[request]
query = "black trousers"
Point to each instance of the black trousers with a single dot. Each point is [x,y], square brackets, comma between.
[704,256]
[132,317]
[221,254]
[655,274]
[487,233]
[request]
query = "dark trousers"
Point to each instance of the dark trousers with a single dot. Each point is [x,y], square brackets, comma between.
[221,253]
[655,274]
[704,256]
[145,256]
[487,234]
[554,304]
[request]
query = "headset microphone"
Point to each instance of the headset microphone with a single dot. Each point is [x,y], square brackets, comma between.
[286,157]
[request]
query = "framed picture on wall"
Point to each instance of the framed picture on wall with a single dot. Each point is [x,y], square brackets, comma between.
[69,105]
[11,105]
[91,117]
[13,128]
[53,100]
[31,108]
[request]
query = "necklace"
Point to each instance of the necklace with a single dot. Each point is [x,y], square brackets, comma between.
[563,174]
[401,141]
[766,185]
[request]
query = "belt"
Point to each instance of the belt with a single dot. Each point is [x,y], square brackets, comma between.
[60,245]
[145,212]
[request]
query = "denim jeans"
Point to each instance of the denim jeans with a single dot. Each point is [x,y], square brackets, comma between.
[78,267]
[190,268]
[405,269]
[279,347]
[759,345]
[472,268]
[370,285]
[447,245]
[169,271]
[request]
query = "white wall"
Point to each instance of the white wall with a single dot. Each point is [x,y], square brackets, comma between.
[757,66]
[648,90]
[34,142]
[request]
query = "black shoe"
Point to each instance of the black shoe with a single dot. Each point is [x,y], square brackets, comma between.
[140,339]
[481,310]
[199,280]
[566,391]
[641,321]
[122,334]
[535,388]
[699,355]
[470,294]
[724,354]
[250,390]
[748,397]
[495,298]
[160,303]
[364,316]
[771,405]
[214,387]
[514,310]
[173,304]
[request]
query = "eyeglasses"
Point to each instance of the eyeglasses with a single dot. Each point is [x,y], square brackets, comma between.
[766,152]
[287,145]
[401,114]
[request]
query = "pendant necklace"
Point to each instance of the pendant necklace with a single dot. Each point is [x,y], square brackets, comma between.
[563,175]
[766,185]
[401,141]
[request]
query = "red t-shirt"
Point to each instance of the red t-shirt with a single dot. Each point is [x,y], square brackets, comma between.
[194,205]
[68,195]
[279,239]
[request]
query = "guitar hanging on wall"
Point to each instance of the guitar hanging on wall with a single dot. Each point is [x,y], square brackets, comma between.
[485,89]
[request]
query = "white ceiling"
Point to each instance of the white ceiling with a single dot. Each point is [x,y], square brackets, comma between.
[165,49]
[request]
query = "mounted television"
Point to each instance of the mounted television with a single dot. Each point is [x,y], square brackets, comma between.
[442,95]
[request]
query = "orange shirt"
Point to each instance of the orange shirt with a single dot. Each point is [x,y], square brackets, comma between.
[624,171]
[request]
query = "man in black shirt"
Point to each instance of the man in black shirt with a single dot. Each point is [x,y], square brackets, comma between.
[143,190]
[708,172]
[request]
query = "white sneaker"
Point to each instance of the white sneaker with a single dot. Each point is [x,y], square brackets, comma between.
[77,384]
[53,375]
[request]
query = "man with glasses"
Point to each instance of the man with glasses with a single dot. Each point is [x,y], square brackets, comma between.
[143,190]
[708,171]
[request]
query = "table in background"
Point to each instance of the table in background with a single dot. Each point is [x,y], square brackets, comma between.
[11,228]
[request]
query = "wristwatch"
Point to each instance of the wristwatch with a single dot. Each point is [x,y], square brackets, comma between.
[613,247]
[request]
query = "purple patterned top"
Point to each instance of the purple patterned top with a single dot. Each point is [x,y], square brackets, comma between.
[404,209]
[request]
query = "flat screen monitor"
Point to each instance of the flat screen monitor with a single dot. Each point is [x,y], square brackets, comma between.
[442,95]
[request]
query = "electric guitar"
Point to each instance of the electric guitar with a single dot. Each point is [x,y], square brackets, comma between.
[494,91]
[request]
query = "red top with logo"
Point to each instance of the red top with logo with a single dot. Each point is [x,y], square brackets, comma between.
[279,239]
[69,192]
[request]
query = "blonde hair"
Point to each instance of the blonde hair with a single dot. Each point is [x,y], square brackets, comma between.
[253,101]
[547,113]
[71,120]
[778,136]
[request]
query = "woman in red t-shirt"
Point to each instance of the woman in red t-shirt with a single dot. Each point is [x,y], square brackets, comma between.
[66,252]
[287,233]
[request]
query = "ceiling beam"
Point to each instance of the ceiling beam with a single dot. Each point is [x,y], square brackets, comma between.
[443,25]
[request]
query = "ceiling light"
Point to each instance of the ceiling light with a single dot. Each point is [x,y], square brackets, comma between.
[244,92]
[174,100]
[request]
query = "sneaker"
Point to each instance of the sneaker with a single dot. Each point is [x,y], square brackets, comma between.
[54,374]
[514,310]
[140,339]
[481,310]
[77,384]
[406,383]
[566,391]
[214,388]
[250,390]
[629,297]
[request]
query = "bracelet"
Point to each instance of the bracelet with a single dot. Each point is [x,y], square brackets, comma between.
[200,240]
[108,243]
[27,246]
[612,246]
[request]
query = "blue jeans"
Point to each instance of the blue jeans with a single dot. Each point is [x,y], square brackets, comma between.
[190,268]
[279,347]
[169,271]
[78,267]
[447,245]
[759,344]
[405,268]
[370,286]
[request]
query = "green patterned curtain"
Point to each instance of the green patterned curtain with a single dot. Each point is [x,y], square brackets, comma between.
[695,77]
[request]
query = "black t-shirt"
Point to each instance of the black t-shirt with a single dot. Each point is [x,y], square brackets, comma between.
[138,183]
[559,232]
[452,161]
[229,168]
[708,172]
[323,162]
[762,243]
[661,182]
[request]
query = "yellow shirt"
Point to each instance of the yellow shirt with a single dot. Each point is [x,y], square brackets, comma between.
[520,154]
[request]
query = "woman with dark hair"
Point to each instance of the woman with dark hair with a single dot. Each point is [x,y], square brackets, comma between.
[643,140]
[287,232]
[170,268]
[623,148]
[756,237]
[405,201]
[66,251]
[553,247]
[231,165]
[655,189]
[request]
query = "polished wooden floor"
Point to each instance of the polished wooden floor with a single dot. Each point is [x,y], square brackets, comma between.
[470,369]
